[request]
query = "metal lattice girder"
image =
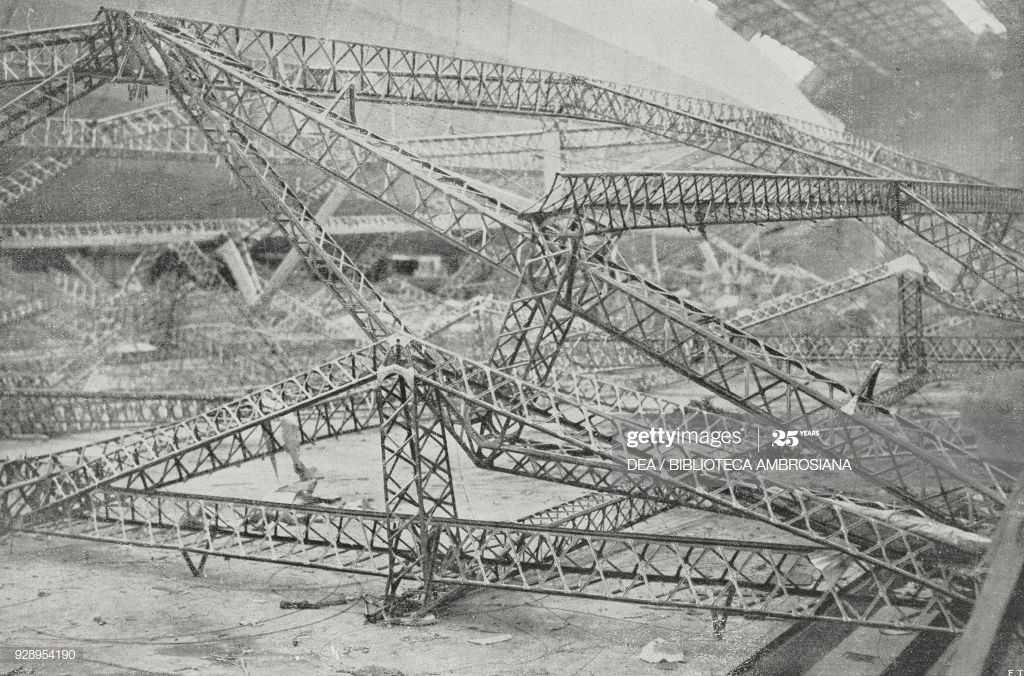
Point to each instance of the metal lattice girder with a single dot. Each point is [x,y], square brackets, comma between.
[967,350]
[631,200]
[144,233]
[163,129]
[22,310]
[418,485]
[64,64]
[31,175]
[324,67]
[417,471]
[801,133]
[159,128]
[742,369]
[625,201]
[597,512]
[892,396]
[788,303]
[602,354]
[910,325]
[74,287]
[1006,309]
[325,258]
[32,56]
[744,578]
[307,222]
[56,412]
[218,437]
[958,239]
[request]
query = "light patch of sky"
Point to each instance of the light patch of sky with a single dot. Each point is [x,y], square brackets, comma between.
[792,63]
[975,17]
[684,36]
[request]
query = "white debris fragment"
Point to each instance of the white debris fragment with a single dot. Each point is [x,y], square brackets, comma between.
[659,650]
[488,640]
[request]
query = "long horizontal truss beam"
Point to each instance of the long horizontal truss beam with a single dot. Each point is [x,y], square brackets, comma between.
[58,412]
[615,201]
[163,129]
[990,352]
[32,56]
[187,447]
[730,577]
[783,305]
[600,354]
[148,233]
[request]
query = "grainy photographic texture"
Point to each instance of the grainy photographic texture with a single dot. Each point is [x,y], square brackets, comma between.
[396,337]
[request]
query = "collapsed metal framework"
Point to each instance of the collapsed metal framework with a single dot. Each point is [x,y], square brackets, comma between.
[900,553]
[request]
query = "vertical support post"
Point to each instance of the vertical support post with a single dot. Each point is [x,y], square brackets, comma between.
[417,476]
[911,357]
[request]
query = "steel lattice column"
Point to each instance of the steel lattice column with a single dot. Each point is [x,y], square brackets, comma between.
[417,475]
[911,358]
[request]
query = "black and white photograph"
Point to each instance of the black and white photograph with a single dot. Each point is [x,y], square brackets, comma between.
[512,337]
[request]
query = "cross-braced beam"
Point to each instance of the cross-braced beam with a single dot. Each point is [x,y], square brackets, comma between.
[755,579]
[626,201]
[32,175]
[59,412]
